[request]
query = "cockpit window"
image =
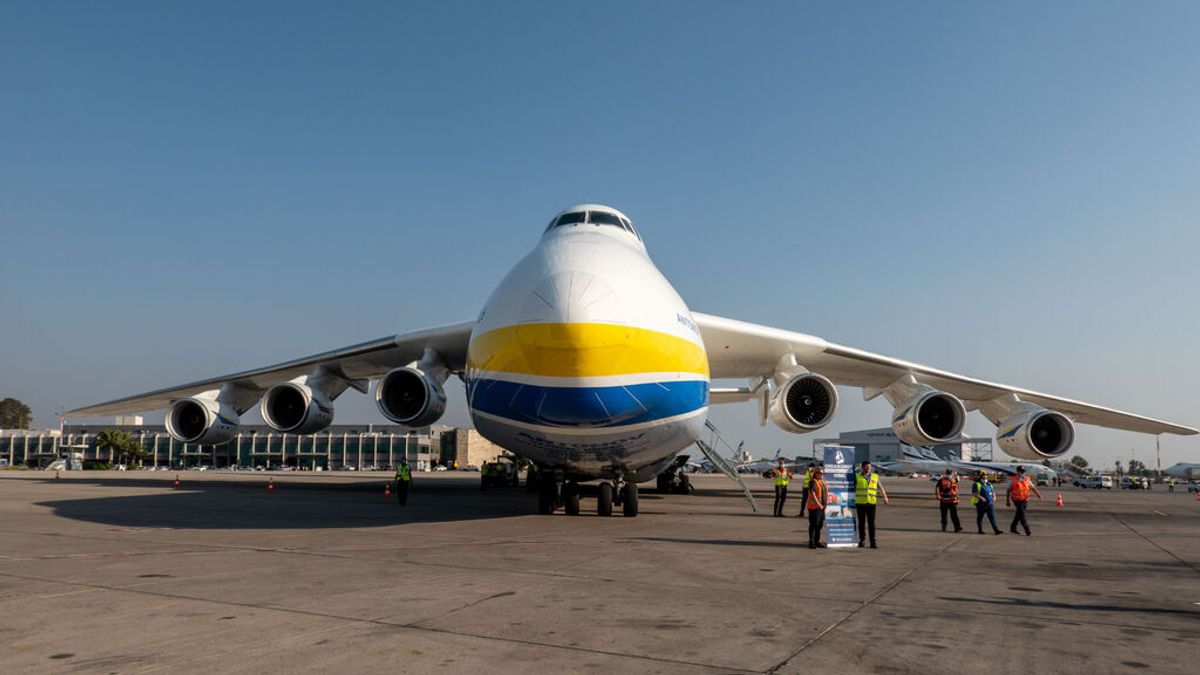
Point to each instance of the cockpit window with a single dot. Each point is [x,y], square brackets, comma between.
[629,226]
[571,218]
[602,218]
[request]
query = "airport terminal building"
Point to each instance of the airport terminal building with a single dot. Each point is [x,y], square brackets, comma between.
[340,447]
[882,445]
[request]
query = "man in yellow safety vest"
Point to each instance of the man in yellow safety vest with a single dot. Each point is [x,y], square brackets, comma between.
[403,481]
[782,475]
[808,476]
[867,490]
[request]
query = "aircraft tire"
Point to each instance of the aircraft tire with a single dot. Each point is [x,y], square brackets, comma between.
[629,500]
[571,499]
[547,496]
[604,502]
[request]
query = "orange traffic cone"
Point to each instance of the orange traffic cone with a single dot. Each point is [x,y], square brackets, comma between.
[1198,496]
[176,481]
[1059,502]
[387,489]
[270,485]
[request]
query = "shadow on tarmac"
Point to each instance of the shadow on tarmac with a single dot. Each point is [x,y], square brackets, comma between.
[1048,604]
[219,504]
[724,542]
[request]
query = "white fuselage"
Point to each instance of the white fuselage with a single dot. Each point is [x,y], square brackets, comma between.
[585,358]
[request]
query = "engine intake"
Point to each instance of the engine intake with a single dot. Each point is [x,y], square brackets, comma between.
[201,420]
[296,408]
[929,418]
[1036,434]
[804,403]
[411,397]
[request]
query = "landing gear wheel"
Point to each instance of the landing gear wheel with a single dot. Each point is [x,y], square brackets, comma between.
[662,484]
[604,502]
[547,495]
[629,499]
[570,495]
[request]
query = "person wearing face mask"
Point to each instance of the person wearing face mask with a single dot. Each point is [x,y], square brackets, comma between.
[983,496]
[867,490]
[782,475]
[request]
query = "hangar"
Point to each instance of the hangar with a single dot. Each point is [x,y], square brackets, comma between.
[882,445]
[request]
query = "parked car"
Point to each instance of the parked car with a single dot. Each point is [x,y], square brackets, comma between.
[1194,486]
[1097,482]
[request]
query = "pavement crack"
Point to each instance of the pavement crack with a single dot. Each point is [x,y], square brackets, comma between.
[1155,544]
[379,622]
[866,603]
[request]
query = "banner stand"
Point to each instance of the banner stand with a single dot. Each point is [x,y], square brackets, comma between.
[840,529]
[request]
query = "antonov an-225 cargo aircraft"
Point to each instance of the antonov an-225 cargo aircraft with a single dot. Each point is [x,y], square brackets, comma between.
[586,361]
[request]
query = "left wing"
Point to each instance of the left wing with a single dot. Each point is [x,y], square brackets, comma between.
[737,349]
[352,365]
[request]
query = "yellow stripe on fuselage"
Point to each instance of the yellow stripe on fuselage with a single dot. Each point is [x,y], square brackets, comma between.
[584,350]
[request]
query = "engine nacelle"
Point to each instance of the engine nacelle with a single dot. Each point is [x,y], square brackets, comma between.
[1036,434]
[411,397]
[929,418]
[202,420]
[296,408]
[804,403]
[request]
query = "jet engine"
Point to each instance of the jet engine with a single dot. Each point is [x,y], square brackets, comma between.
[410,396]
[201,420]
[296,408]
[1036,434]
[804,403]
[929,418]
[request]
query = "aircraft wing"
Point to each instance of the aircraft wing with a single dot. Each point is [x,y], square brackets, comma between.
[354,363]
[738,349]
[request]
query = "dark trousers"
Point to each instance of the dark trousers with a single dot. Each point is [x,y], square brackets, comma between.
[803,500]
[402,491]
[989,510]
[1019,517]
[951,509]
[866,521]
[816,521]
[780,498]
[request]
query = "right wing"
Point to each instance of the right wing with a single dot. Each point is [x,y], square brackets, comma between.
[355,363]
[740,349]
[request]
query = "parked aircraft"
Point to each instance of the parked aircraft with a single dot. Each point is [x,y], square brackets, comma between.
[587,361]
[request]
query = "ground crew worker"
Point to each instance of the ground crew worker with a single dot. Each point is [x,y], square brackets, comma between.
[1171,485]
[1019,488]
[816,497]
[946,490]
[867,490]
[808,474]
[984,497]
[782,475]
[403,481]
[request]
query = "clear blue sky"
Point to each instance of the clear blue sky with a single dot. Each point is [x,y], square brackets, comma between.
[1010,190]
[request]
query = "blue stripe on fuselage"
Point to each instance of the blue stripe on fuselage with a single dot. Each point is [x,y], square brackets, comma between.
[588,407]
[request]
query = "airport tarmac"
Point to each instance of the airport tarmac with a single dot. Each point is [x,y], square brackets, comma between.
[119,572]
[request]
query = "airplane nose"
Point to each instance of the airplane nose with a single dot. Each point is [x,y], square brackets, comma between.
[572,325]
[572,297]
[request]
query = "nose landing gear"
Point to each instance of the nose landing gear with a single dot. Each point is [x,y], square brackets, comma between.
[619,492]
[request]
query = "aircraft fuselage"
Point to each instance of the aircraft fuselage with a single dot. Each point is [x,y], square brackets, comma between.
[585,358]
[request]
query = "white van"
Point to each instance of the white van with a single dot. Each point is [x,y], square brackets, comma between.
[1097,482]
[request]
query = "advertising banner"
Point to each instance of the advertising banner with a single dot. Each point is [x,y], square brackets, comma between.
[839,514]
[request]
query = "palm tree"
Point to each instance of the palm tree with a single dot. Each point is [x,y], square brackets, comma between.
[112,441]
